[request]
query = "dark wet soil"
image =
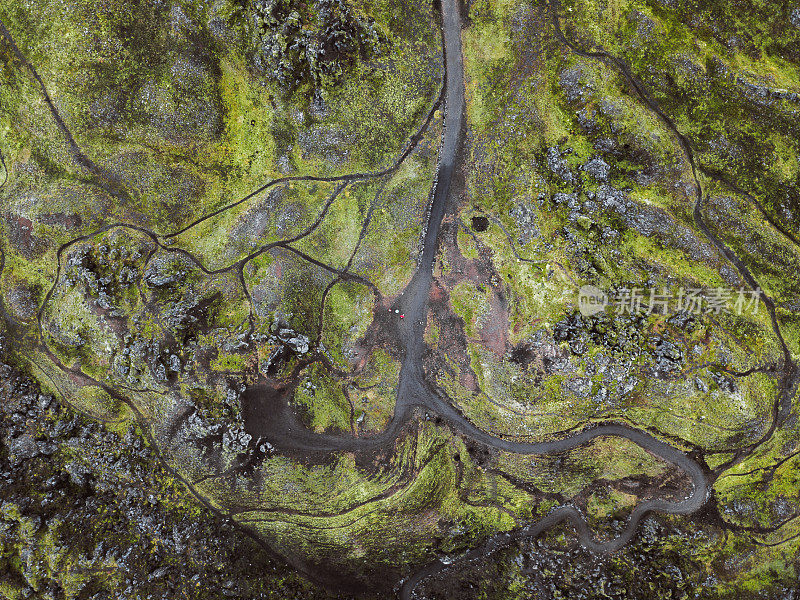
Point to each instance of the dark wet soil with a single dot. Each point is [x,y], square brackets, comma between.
[480,224]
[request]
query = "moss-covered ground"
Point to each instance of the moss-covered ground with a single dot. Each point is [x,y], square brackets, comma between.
[179,225]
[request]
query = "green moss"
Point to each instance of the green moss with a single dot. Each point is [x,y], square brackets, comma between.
[606,504]
[471,304]
[227,362]
[322,399]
